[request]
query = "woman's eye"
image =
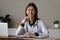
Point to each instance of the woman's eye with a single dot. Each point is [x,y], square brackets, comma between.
[28,9]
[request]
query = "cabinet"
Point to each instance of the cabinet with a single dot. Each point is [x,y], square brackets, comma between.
[54,33]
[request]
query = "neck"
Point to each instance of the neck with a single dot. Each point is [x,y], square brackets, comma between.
[31,20]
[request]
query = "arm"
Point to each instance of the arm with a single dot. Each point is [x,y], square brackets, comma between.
[20,29]
[43,29]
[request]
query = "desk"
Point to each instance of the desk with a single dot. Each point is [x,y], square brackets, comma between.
[14,38]
[7,38]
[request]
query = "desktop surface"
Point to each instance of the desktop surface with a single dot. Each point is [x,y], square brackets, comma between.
[14,38]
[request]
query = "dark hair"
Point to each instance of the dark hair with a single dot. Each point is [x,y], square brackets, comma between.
[33,5]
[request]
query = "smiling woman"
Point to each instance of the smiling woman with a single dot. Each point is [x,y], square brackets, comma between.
[31,25]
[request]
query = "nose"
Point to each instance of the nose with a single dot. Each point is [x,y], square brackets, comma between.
[30,12]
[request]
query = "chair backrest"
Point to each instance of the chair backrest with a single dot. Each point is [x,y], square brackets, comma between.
[3,29]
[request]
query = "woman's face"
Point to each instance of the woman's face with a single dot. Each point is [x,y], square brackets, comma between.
[30,12]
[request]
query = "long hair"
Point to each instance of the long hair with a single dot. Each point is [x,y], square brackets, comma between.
[35,7]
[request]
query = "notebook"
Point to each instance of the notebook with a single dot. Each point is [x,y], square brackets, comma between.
[3,29]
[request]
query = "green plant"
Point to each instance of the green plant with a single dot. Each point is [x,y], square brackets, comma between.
[56,22]
[6,18]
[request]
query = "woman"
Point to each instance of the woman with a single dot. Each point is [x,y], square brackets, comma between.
[31,25]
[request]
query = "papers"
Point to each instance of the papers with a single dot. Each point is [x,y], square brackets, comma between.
[31,36]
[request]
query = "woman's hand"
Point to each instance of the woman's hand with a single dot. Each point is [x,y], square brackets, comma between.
[25,19]
[29,34]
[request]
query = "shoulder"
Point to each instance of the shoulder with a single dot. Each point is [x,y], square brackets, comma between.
[39,21]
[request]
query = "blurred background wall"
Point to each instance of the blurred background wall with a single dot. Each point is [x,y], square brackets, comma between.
[48,10]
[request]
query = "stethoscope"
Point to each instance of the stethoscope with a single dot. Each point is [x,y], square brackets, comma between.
[33,25]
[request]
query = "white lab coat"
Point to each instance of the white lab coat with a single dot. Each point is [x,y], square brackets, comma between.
[37,27]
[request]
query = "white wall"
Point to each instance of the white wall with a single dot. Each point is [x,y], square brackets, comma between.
[48,10]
